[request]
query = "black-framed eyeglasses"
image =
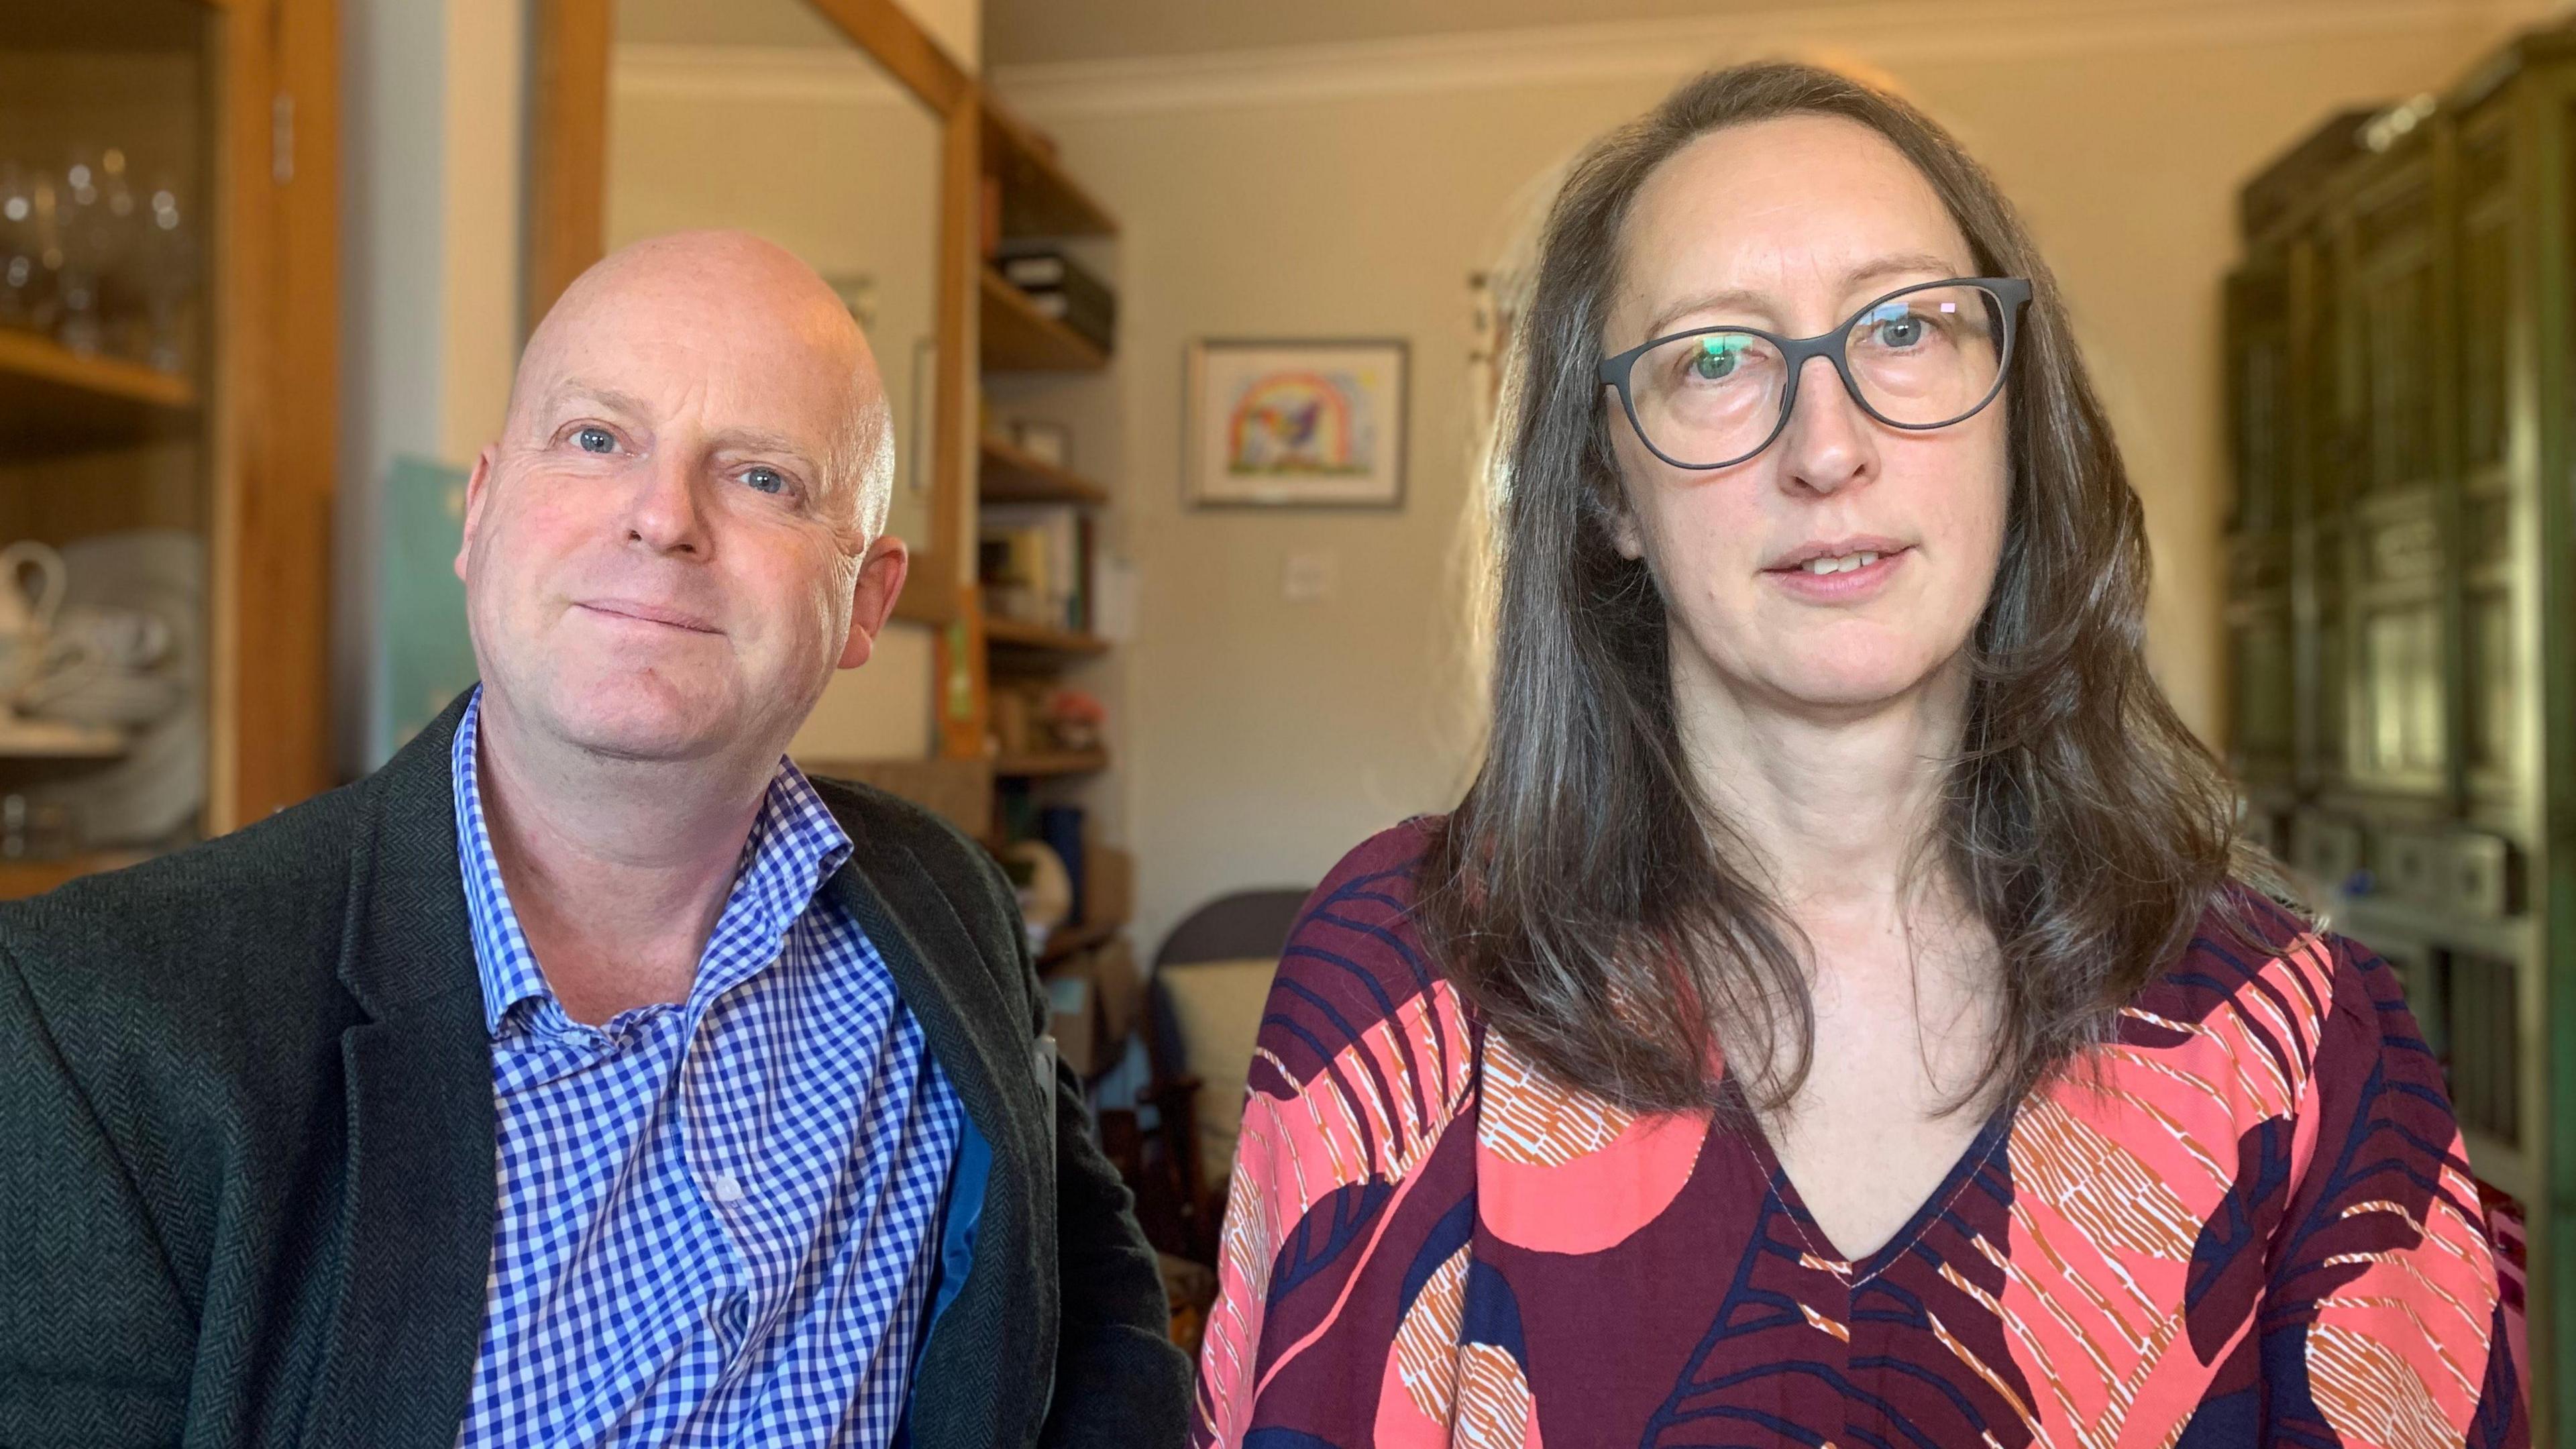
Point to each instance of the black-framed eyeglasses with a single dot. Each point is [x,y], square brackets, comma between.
[1919,358]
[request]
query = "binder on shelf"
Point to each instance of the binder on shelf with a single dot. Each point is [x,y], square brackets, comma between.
[1059,287]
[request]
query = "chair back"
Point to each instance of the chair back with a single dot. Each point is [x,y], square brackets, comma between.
[1235,927]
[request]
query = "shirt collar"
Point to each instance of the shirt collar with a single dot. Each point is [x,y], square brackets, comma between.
[794,847]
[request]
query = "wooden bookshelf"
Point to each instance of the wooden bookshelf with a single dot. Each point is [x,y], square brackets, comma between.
[1005,474]
[54,400]
[1017,337]
[1038,197]
[1051,763]
[1034,366]
[1003,633]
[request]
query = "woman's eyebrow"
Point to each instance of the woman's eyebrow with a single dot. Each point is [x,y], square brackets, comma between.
[1877,269]
[1889,268]
[1732,298]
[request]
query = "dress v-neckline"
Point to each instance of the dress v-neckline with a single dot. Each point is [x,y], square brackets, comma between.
[1738,1112]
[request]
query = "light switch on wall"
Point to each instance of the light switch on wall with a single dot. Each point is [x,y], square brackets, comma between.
[1308,577]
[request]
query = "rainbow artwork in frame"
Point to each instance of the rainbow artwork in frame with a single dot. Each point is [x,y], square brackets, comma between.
[1287,424]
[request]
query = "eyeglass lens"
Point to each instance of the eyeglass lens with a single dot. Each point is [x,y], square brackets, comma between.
[1919,359]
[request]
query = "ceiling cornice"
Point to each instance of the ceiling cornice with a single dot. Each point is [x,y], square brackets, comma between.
[1900,33]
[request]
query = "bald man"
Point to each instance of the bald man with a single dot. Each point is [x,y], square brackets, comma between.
[587,1075]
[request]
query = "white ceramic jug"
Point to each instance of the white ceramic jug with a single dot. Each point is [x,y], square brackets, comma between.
[31,589]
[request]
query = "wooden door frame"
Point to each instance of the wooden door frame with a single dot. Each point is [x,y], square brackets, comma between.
[275,398]
[571,45]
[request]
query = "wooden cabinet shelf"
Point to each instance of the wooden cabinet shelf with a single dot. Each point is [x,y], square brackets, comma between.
[1066,941]
[33,877]
[54,400]
[1053,762]
[1012,634]
[1008,475]
[40,739]
[1017,337]
[1038,197]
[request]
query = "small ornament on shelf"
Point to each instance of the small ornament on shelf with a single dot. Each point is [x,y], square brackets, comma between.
[1073,719]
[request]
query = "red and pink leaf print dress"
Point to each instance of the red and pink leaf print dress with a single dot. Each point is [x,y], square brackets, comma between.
[2255,1226]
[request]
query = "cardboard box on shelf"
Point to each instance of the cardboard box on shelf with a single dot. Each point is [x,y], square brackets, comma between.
[1093,1000]
[1108,885]
[1120,988]
[1073,1015]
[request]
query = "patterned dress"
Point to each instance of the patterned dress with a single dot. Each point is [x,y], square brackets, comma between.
[2256,1225]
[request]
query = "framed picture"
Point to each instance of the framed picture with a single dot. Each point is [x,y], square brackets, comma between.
[1280,424]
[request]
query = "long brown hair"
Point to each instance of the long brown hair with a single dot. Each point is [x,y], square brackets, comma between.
[1580,895]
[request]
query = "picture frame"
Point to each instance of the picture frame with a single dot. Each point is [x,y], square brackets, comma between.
[1295,423]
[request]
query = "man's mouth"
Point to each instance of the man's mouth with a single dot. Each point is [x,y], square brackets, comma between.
[645,613]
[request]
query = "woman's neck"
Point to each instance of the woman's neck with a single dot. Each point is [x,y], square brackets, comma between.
[1835,804]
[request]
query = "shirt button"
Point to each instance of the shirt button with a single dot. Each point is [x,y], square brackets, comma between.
[728,1188]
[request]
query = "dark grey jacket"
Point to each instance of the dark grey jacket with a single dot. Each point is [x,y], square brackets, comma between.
[247,1145]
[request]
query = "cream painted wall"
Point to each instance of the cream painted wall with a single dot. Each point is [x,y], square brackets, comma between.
[429,306]
[1352,192]
[819,152]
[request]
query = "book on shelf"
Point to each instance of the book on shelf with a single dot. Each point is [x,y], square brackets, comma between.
[1032,560]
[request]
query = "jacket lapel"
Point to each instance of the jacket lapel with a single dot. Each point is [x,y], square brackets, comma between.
[399,1361]
[981,1033]
[946,984]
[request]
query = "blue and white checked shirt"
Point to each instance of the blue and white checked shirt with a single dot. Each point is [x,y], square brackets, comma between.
[718,1218]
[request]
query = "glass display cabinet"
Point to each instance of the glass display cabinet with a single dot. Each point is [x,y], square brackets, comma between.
[167,385]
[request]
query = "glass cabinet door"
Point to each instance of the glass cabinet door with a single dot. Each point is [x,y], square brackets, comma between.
[110,417]
[2321,389]
[2495,697]
[2396,739]
[2263,736]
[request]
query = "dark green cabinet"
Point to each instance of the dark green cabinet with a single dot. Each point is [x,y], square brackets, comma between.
[2401,362]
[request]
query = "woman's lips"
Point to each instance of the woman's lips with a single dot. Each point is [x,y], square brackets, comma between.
[1843,586]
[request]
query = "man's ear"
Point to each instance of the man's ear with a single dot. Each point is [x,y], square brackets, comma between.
[477,489]
[881,576]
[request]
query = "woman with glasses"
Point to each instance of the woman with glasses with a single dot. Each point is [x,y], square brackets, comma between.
[1839,1011]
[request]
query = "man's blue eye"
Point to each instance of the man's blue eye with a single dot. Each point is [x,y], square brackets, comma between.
[594,440]
[767,480]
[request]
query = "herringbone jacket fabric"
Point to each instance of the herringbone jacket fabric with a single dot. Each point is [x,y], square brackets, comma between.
[247,1145]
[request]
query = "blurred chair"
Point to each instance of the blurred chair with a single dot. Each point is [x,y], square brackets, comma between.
[1202,1013]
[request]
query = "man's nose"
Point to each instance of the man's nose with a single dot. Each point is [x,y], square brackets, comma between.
[666,513]
[1828,445]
